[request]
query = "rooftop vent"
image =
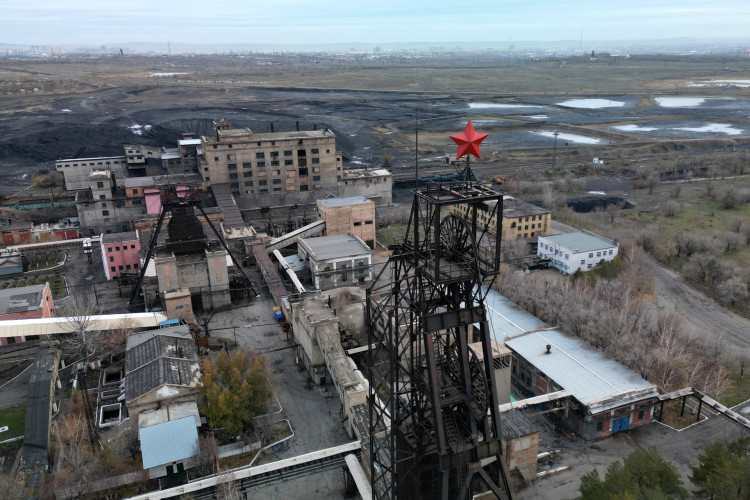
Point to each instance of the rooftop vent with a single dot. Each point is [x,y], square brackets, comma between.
[549,349]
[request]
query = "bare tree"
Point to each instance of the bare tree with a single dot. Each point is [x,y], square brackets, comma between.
[551,198]
[76,464]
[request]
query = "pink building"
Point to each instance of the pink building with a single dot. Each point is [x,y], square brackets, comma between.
[120,253]
[28,302]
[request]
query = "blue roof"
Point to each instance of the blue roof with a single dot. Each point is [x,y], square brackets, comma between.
[168,442]
[596,380]
[342,202]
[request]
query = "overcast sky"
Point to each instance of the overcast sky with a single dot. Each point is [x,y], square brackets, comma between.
[103,22]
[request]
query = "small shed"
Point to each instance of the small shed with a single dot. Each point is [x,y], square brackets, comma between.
[168,448]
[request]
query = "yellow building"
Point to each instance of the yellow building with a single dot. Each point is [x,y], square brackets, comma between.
[521,219]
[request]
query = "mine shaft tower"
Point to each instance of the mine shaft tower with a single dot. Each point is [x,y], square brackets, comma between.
[434,416]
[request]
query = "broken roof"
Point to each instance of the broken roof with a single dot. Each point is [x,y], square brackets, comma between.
[20,300]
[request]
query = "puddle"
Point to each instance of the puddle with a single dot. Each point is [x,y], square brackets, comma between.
[591,103]
[680,102]
[158,75]
[720,128]
[537,117]
[632,127]
[578,139]
[490,105]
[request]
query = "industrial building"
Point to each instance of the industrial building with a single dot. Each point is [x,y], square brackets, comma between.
[276,162]
[520,220]
[104,206]
[582,250]
[120,253]
[27,302]
[161,366]
[354,214]
[608,396]
[76,171]
[336,261]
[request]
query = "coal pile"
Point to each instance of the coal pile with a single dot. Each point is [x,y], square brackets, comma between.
[586,204]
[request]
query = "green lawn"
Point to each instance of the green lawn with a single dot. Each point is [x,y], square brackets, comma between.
[14,418]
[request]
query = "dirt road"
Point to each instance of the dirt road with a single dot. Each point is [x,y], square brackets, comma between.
[705,315]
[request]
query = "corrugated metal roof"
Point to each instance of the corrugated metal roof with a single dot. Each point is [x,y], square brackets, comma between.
[582,241]
[51,326]
[335,247]
[168,442]
[593,377]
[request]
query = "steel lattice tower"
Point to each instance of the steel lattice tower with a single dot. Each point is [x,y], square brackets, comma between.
[434,417]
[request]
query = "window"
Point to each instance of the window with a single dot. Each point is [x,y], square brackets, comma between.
[119,267]
[117,249]
[109,249]
[591,255]
[610,252]
[274,163]
[316,177]
[247,165]
[316,170]
[135,266]
[598,254]
[100,184]
[328,150]
[302,162]
[234,185]
[288,153]
[583,261]
[288,162]
[247,174]
[216,158]
[303,187]
[136,202]
[301,153]
[641,414]
[525,235]
[233,176]
[102,197]
[232,166]
[599,426]
[368,222]
[566,255]
[229,146]
[316,160]
[105,212]
[276,172]
[277,189]
[132,246]
[230,157]
[248,183]
[261,164]
[263,183]
[114,269]
[111,259]
[260,156]
[274,154]
[263,191]
[314,151]
[276,181]
[127,267]
[357,224]
[214,146]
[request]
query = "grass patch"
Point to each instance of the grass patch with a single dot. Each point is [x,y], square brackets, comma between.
[738,391]
[391,234]
[14,417]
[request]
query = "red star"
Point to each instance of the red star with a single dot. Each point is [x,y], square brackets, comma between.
[468,142]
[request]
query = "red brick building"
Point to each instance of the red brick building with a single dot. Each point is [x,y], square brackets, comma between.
[355,215]
[120,253]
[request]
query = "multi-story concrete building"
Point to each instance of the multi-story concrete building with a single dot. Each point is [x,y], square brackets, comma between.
[120,253]
[336,261]
[373,183]
[76,171]
[521,220]
[105,207]
[281,162]
[355,215]
[27,302]
[582,250]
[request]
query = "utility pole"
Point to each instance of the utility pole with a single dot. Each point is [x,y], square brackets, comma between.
[554,153]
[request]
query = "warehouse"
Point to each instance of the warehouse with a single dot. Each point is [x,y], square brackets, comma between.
[582,250]
[607,396]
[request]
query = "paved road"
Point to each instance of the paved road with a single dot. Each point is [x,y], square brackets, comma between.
[680,447]
[705,315]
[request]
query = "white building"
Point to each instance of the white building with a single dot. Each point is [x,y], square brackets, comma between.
[573,251]
[335,261]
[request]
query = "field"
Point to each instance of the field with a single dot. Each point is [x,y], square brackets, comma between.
[13,417]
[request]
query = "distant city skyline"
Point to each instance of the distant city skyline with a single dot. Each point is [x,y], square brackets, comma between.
[94,23]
